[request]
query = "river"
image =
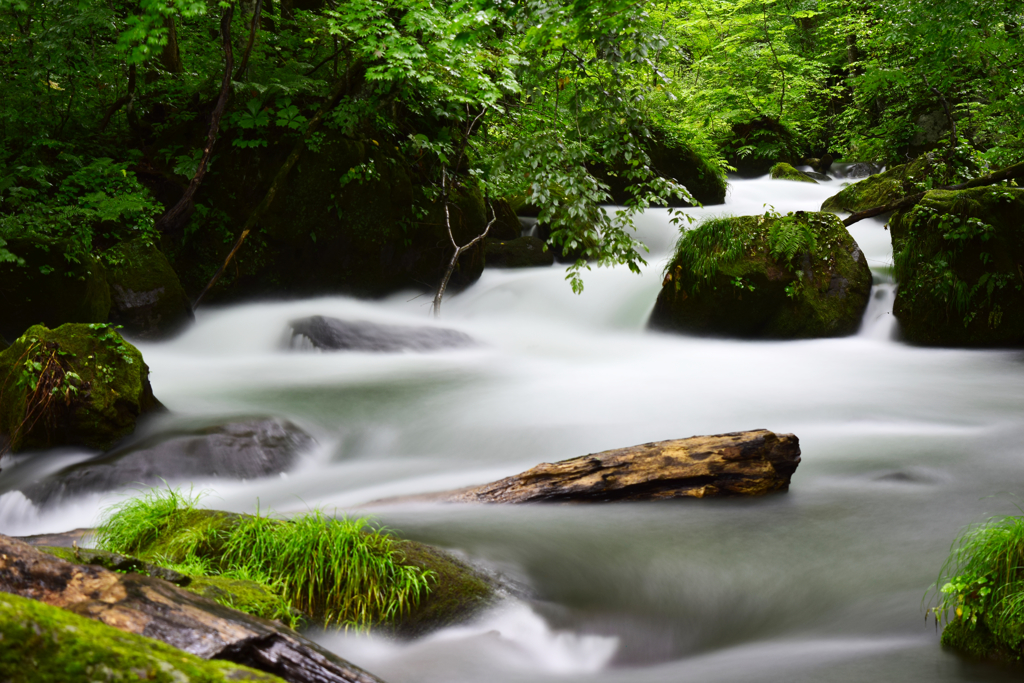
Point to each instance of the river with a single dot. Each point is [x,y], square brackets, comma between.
[902,448]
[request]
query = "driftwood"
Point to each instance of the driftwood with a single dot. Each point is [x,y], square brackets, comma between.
[1015,171]
[751,463]
[157,609]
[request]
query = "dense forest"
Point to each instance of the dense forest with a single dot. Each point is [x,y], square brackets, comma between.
[326,145]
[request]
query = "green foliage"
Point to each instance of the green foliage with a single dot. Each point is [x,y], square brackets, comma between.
[981,585]
[333,571]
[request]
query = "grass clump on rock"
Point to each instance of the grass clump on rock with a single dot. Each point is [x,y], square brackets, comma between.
[981,599]
[331,571]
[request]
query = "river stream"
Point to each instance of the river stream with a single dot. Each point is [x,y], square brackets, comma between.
[902,447]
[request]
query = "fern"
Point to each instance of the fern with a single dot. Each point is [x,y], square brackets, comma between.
[788,237]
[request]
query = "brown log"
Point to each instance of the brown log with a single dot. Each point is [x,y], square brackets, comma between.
[752,463]
[155,608]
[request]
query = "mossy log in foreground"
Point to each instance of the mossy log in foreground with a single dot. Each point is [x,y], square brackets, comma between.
[44,644]
[959,259]
[752,463]
[798,276]
[154,608]
[79,385]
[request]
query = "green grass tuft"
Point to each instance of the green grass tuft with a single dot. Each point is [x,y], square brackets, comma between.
[982,583]
[335,571]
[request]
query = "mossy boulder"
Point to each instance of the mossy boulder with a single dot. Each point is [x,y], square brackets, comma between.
[48,289]
[455,593]
[927,170]
[44,644]
[784,171]
[959,258]
[753,147]
[976,641]
[675,159]
[147,299]
[506,225]
[351,217]
[522,252]
[80,385]
[771,277]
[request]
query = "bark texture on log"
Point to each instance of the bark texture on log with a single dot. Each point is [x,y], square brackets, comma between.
[154,608]
[752,463]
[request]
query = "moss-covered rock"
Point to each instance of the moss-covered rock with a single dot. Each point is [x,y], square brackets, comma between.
[49,289]
[927,170]
[774,277]
[753,147]
[507,225]
[976,641]
[675,159]
[44,644]
[349,218]
[146,297]
[77,385]
[455,593]
[958,258]
[522,252]
[784,171]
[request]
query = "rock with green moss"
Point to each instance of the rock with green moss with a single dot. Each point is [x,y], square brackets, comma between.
[976,641]
[927,170]
[48,289]
[770,277]
[783,171]
[674,158]
[146,297]
[79,384]
[44,644]
[958,259]
[351,217]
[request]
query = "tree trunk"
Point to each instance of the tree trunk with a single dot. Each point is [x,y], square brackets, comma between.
[157,609]
[170,57]
[750,463]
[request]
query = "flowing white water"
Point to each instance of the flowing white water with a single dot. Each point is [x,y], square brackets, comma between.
[902,447]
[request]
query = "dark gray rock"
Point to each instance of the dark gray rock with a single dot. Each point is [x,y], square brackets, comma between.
[237,450]
[523,252]
[331,334]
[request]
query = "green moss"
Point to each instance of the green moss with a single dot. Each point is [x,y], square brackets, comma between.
[75,385]
[148,300]
[956,257]
[977,642]
[783,171]
[777,277]
[926,171]
[44,644]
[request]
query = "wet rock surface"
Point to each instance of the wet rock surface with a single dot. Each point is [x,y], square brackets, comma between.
[246,449]
[154,608]
[752,463]
[332,334]
[522,252]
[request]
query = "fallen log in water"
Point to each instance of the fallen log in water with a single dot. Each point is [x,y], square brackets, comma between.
[154,608]
[752,463]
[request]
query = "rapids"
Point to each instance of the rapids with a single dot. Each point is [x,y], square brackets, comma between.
[902,447]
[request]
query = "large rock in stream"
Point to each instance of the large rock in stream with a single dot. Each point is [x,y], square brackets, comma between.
[752,463]
[798,276]
[79,384]
[332,334]
[154,608]
[244,449]
[959,259]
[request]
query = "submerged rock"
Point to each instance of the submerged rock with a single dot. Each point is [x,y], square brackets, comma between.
[146,297]
[151,607]
[772,277]
[237,450]
[77,385]
[331,334]
[523,252]
[958,259]
[783,171]
[752,463]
